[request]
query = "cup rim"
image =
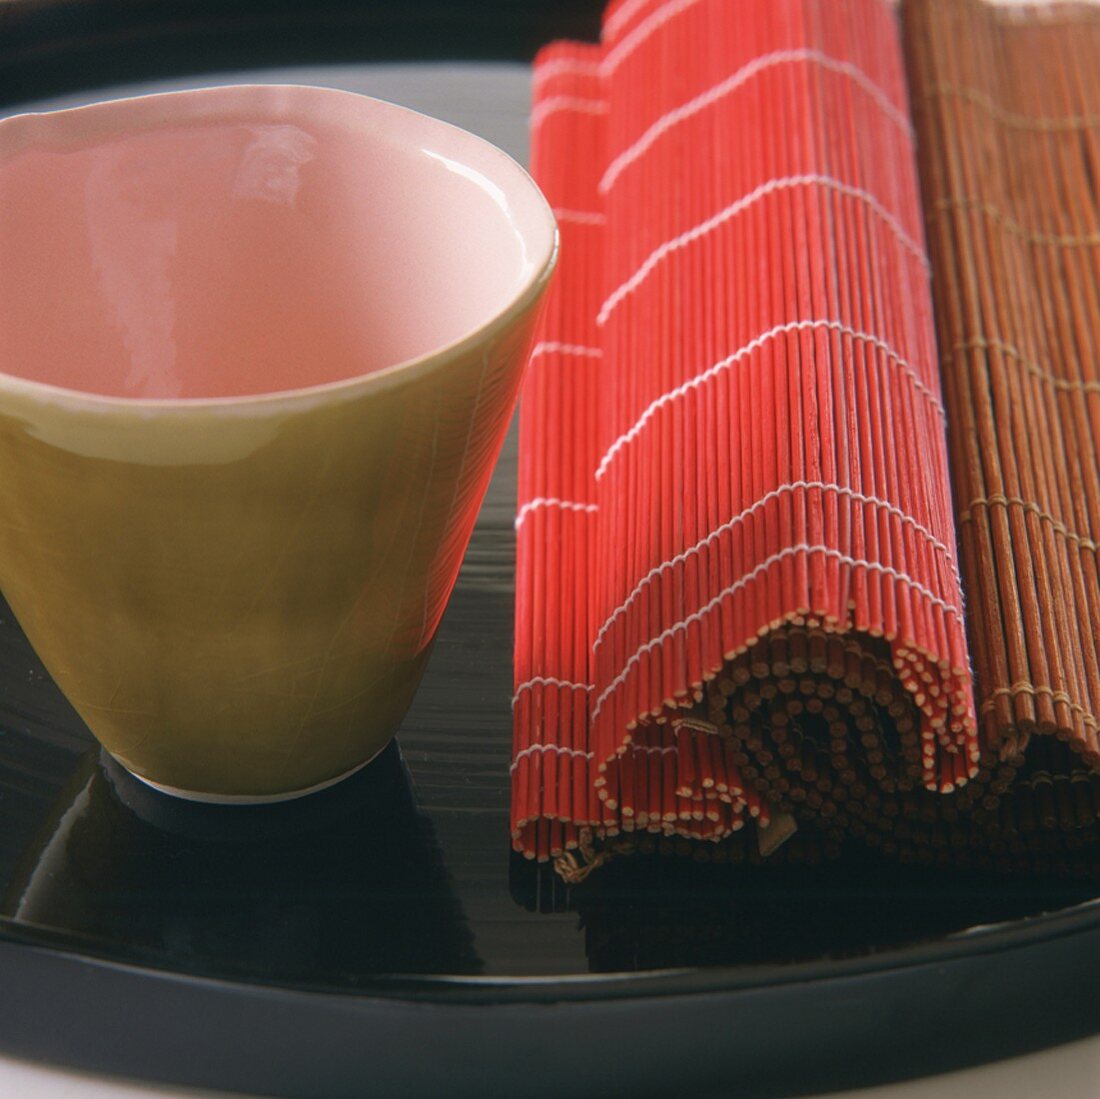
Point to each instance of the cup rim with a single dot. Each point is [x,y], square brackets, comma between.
[539,231]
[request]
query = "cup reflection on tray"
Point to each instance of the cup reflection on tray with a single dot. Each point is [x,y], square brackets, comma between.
[329,890]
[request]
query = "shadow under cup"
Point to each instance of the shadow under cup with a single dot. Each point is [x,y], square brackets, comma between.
[259,349]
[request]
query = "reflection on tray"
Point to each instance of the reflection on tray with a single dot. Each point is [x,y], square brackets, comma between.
[655,912]
[329,889]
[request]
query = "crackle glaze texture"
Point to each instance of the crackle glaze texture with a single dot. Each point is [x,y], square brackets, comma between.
[260,347]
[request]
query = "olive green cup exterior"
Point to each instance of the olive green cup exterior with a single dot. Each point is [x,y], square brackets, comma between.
[239,596]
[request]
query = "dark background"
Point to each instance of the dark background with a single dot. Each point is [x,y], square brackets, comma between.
[48,47]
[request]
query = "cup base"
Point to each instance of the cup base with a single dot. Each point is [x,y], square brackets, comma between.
[249,799]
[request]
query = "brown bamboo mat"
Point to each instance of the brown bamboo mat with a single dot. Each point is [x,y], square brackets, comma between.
[1006,103]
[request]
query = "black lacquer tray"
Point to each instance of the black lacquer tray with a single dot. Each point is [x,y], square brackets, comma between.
[379,938]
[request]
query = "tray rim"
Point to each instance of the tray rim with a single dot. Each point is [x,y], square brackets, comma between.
[1082,919]
[858,1027]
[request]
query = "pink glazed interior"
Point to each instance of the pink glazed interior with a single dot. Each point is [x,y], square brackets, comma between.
[240,241]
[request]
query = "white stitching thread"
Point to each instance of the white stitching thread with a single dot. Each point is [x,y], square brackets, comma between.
[553,347]
[559,66]
[730,84]
[1036,123]
[1034,368]
[748,578]
[579,217]
[551,502]
[753,345]
[561,749]
[742,516]
[644,30]
[621,15]
[557,748]
[554,103]
[550,681]
[738,207]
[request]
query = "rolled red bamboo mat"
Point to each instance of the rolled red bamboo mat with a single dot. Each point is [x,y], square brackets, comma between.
[553,772]
[736,580]
[1006,103]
